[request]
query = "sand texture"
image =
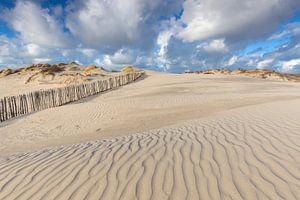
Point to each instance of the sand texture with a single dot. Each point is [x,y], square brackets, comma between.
[165,137]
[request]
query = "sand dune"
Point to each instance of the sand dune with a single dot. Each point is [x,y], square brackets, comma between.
[157,101]
[165,137]
[243,154]
[257,73]
[48,76]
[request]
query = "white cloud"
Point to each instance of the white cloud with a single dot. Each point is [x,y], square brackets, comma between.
[169,35]
[36,25]
[65,53]
[291,29]
[290,65]
[89,52]
[117,60]
[41,60]
[34,50]
[7,47]
[112,25]
[123,57]
[15,53]
[169,28]
[107,61]
[251,62]
[232,61]
[264,63]
[98,62]
[235,19]
[102,24]
[163,42]
[78,62]
[216,46]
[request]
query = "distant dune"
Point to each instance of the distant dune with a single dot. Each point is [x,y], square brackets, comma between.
[257,73]
[56,73]
[167,136]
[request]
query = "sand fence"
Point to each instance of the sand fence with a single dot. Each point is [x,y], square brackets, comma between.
[14,106]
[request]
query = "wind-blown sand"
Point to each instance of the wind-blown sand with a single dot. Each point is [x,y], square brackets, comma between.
[165,137]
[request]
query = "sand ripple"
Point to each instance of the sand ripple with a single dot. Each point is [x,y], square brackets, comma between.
[250,155]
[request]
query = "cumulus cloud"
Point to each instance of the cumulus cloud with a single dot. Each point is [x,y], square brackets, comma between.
[115,24]
[107,61]
[7,47]
[123,57]
[232,61]
[171,35]
[14,53]
[89,52]
[36,25]
[118,59]
[162,42]
[41,60]
[102,23]
[216,46]
[285,58]
[291,65]
[264,63]
[232,19]
[34,50]
[205,25]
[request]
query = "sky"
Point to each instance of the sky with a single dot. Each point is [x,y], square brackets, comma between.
[166,35]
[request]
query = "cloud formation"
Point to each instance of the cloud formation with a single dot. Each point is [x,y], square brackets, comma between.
[35,25]
[290,65]
[171,35]
[233,19]
[115,24]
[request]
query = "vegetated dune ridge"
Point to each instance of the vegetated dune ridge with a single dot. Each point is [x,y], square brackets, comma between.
[195,137]
[246,153]
[257,73]
[48,76]
[61,73]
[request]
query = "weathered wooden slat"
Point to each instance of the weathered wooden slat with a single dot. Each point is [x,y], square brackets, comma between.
[14,106]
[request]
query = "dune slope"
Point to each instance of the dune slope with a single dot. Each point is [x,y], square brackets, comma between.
[157,101]
[245,153]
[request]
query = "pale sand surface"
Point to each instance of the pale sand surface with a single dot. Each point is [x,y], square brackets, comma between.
[167,136]
[15,85]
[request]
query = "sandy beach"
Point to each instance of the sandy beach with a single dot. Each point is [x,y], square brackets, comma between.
[166,136]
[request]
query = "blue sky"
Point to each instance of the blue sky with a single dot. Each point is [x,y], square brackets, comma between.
[169,35]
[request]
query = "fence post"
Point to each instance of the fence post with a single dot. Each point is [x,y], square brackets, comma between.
[14,106]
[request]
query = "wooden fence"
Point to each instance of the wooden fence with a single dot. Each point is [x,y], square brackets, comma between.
[14,106]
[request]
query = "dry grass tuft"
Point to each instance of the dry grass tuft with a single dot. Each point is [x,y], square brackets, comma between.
[256,73]
[44,72]
[93,70]
[129,69]
[5,72]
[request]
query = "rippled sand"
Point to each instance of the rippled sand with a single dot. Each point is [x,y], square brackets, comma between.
[164,137]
